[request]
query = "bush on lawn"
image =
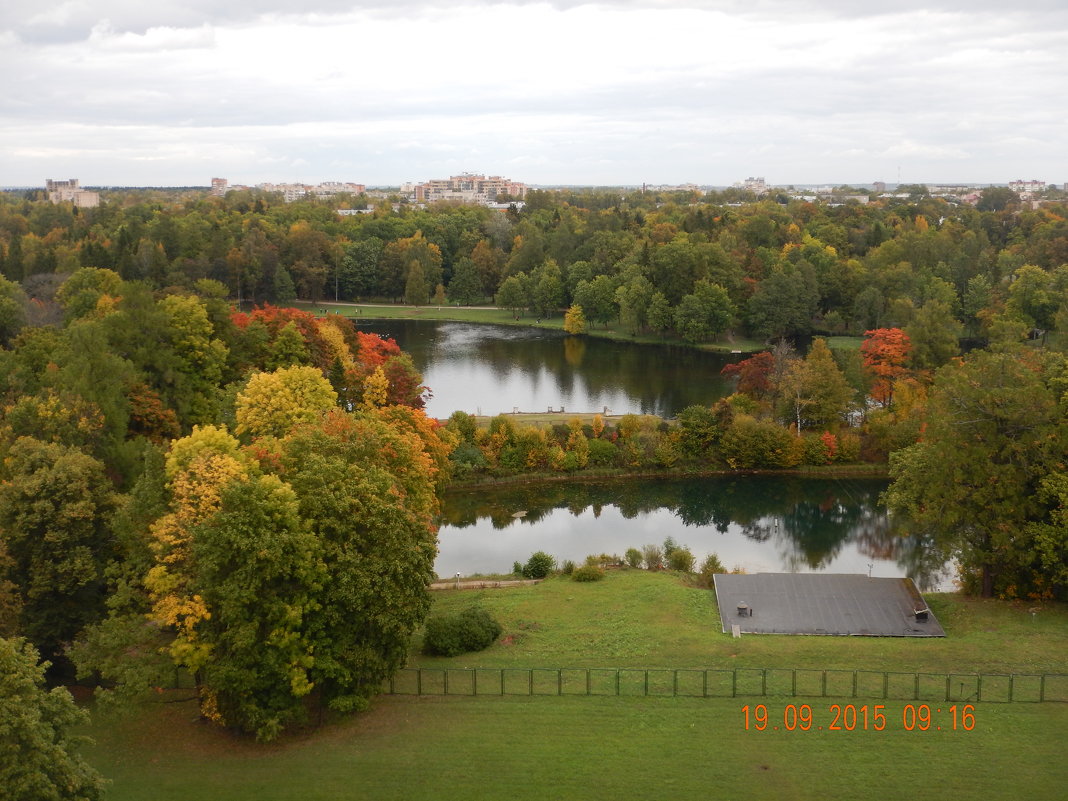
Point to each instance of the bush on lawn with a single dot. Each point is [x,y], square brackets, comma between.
[473,629]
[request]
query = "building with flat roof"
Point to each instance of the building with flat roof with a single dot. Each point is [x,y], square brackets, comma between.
[70,192]
[467,188]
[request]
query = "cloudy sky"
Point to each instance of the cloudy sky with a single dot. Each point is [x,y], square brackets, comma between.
[173,92]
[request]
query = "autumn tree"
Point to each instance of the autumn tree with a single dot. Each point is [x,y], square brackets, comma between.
[885,352]
[814,389]
[575,320]
[272,403]
[703,314]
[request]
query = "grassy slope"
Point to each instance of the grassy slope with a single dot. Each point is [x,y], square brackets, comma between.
[621,748]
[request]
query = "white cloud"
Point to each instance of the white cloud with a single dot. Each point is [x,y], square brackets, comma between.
[571,92]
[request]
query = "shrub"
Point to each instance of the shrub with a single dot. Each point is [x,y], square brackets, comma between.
[568,567]
[681,559]
[539,565]
[653,557]
[633,557]
[473,629]
[603,453]
[709,567]
[588,573]
[517,569]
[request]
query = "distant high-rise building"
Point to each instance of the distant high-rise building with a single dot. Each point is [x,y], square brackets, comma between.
[756,185]
[70,192]
[1019,186]
[218,186]
[880,186]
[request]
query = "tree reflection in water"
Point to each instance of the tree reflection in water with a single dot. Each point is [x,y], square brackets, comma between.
[764,523]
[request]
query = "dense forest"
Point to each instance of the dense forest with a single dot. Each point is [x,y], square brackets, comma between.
[194,476]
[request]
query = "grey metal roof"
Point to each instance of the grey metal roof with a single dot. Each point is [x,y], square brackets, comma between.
[822,603]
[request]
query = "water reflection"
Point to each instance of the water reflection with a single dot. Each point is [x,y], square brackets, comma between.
[759,523]
[500,368]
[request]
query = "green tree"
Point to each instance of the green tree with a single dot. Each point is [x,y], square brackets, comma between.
[784,304]
[38,754]
[597,297]
[12,310]
[814,391]
[703,314]
[971,485]
[416,289]
[513,294]
[366,489]
[56,505]
[465,287]
[258,568]
[934,334]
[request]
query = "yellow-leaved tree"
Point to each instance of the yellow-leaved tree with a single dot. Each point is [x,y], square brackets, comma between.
[273,403]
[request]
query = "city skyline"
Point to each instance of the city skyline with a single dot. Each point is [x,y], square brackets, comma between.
[567,93]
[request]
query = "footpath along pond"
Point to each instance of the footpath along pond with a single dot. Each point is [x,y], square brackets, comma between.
[758,523]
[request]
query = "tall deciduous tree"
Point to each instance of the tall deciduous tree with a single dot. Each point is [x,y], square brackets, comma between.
[972,483]
[55,510]
[885,352]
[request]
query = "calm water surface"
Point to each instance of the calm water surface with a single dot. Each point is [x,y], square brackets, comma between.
[759,523]
[493,369]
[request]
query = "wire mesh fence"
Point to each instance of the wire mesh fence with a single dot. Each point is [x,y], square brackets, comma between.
[733,683]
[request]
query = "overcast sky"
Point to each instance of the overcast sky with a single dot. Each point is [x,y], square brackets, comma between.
[174,92]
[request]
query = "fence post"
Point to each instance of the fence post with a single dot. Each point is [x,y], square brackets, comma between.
[704,683]
[588,682]
[764,682]
[530,681]
[823,689]
[1012,681]
[502,681]
[1042,688]
[647,682]
[854,684]
[979,688]
[617,681]
[392,687]
[559,681]
[474,681]
[734,683]
[886,685]
[445,680]
[948,690]
[915,686]
[675,685]
[419,681]
[793,683]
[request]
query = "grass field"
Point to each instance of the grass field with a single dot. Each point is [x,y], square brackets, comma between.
[490,314]
[605,747]
[634,618]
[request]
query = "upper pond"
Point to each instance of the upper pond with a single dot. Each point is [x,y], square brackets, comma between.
[762,524]
[493,369]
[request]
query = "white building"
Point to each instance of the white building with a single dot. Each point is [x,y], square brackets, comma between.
[70,192]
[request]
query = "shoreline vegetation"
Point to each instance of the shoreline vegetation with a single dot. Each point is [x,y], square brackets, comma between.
[494,315]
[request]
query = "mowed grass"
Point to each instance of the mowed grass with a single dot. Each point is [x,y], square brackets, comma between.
[412,749]
[630,747]
[635,618]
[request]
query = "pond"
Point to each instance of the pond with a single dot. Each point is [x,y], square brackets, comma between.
[494,369]
[757,523]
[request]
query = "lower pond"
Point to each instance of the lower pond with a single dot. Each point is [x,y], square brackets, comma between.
[495,369]
[757,523]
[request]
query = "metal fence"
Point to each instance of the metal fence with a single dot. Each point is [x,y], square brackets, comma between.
[733,683]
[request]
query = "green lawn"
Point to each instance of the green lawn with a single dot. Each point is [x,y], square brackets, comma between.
[631,747]
[586,748]
[634,618]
